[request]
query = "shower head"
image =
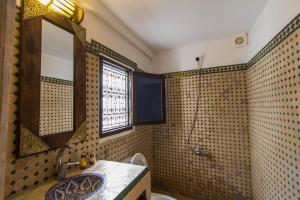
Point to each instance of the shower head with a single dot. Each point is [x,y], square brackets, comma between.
[200,61]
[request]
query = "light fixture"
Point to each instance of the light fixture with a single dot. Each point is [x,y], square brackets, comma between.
[67,8]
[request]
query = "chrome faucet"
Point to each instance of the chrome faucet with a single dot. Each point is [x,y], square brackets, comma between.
[201,150]
[62,168]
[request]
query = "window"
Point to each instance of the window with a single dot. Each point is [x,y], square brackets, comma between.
[123,105]
[149,99]
[115,98]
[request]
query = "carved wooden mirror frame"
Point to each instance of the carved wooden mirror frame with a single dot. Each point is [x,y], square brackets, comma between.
[29,141]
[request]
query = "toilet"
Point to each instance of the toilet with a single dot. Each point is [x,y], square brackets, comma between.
[155,196]
[139,159]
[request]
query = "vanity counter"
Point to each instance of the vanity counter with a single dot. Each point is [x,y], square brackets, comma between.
[121,181]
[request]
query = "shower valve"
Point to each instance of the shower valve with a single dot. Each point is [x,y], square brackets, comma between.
[200,151]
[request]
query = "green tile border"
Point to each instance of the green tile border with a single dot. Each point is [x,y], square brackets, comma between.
[281,36]
[126,191]
[56,80]
[289,29]
[223,69]
[97,48]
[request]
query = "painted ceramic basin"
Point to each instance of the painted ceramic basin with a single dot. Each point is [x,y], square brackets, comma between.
[78,187]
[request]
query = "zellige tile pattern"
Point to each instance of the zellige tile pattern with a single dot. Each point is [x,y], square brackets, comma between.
[222,126]
[56,106]
[244,113]
[21,174]
[274,122]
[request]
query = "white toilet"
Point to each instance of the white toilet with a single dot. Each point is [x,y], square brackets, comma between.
[155,196]
[139,159]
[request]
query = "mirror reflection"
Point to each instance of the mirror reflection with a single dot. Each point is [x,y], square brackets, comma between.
[57,80]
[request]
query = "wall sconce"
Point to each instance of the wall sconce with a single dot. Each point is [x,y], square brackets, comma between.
[67,8]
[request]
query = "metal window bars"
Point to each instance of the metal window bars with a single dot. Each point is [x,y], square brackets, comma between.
[115,94]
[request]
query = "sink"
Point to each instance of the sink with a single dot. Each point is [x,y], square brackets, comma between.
[77,187]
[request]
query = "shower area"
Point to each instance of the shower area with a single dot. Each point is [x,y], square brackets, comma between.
[245,141]
[208,159]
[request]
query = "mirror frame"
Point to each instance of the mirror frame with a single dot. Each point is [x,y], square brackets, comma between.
[30,73]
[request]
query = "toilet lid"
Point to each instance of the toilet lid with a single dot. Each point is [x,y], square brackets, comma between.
[155,196]
[138,159]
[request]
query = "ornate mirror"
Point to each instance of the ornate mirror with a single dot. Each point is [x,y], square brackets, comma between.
[52,109]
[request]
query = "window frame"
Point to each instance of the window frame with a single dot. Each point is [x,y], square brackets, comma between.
[129,71]
[134,89]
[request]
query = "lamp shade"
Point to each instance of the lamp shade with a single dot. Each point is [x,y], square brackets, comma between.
[67,8]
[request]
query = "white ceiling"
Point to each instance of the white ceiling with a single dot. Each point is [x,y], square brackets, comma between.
[166,24]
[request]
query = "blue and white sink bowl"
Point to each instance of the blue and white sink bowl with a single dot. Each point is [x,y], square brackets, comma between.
[78,187]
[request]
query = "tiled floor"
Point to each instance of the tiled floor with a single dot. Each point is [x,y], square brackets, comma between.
[171,194]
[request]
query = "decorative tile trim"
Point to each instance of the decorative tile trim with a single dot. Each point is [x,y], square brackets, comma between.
[129,188]
[221,127]
[30,143]
[273,95]
[56,80]
[97,48]
[281,36]
[228,68]
[23,174]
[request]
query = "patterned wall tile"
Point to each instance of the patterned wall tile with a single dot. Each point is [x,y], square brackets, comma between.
[25,173]
[273,127]
[222,127]
[56,106]
[274,121]
[245,115]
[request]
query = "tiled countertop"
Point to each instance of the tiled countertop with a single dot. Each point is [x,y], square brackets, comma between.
[120,180]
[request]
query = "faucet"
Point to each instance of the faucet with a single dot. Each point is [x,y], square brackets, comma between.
[201,151]
[62,168]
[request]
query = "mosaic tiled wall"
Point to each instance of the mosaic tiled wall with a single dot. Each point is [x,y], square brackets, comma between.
[56,106]
[24,173]
[239,110]
[222,127]
[274,121]
[273,83]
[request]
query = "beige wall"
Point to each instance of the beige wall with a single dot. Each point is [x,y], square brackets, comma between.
[271,128]
[24,173]
[273,95]
[102,25]
[216,53]
[273,104]
[21,174]
[274,17]
[222,127]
